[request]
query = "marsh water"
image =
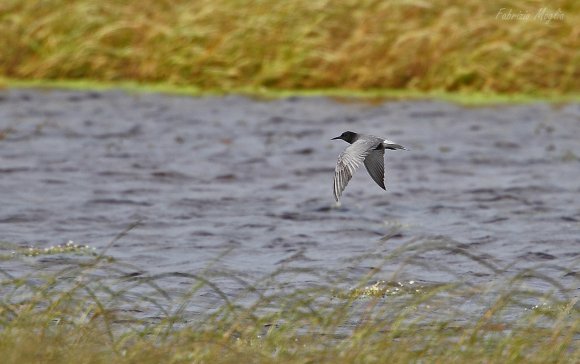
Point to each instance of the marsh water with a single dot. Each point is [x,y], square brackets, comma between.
[245,185]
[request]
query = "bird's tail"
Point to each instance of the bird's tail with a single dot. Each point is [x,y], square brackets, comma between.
[393,146]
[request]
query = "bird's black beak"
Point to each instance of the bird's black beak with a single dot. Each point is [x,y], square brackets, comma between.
[336,138]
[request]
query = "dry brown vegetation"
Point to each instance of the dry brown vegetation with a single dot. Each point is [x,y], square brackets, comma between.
[304,44]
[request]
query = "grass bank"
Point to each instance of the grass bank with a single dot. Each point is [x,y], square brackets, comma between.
[100,310]
[232,45]
[472,98]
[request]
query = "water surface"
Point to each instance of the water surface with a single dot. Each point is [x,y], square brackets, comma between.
[252,179]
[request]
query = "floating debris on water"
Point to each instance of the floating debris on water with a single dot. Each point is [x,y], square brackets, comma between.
[69,247]
[386,288]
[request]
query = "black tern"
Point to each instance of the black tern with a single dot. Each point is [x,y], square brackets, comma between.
[367,149]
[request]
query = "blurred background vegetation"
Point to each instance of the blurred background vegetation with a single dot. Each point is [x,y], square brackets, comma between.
[446,45]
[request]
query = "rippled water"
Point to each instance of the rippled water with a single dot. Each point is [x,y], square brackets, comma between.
[211,175]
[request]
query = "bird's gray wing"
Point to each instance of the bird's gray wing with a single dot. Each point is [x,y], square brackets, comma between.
[349,161]
[375,164]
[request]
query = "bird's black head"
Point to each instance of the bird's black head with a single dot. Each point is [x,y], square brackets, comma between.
[348,136]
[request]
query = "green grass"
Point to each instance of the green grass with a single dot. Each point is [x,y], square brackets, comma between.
[371,96]
[352,46]
[102,310]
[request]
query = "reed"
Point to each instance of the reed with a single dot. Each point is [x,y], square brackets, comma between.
[101,310]
[439,45]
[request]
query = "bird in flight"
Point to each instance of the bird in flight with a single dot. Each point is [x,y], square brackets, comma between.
[367,149]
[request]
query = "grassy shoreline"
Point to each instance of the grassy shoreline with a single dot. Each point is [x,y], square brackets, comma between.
[451,45]
[373,95]
[103,310]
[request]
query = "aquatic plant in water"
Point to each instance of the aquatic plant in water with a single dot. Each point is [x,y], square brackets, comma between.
[110,311]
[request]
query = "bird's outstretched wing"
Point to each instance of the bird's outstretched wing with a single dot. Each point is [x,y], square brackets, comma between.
[349,161]
[375,164]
